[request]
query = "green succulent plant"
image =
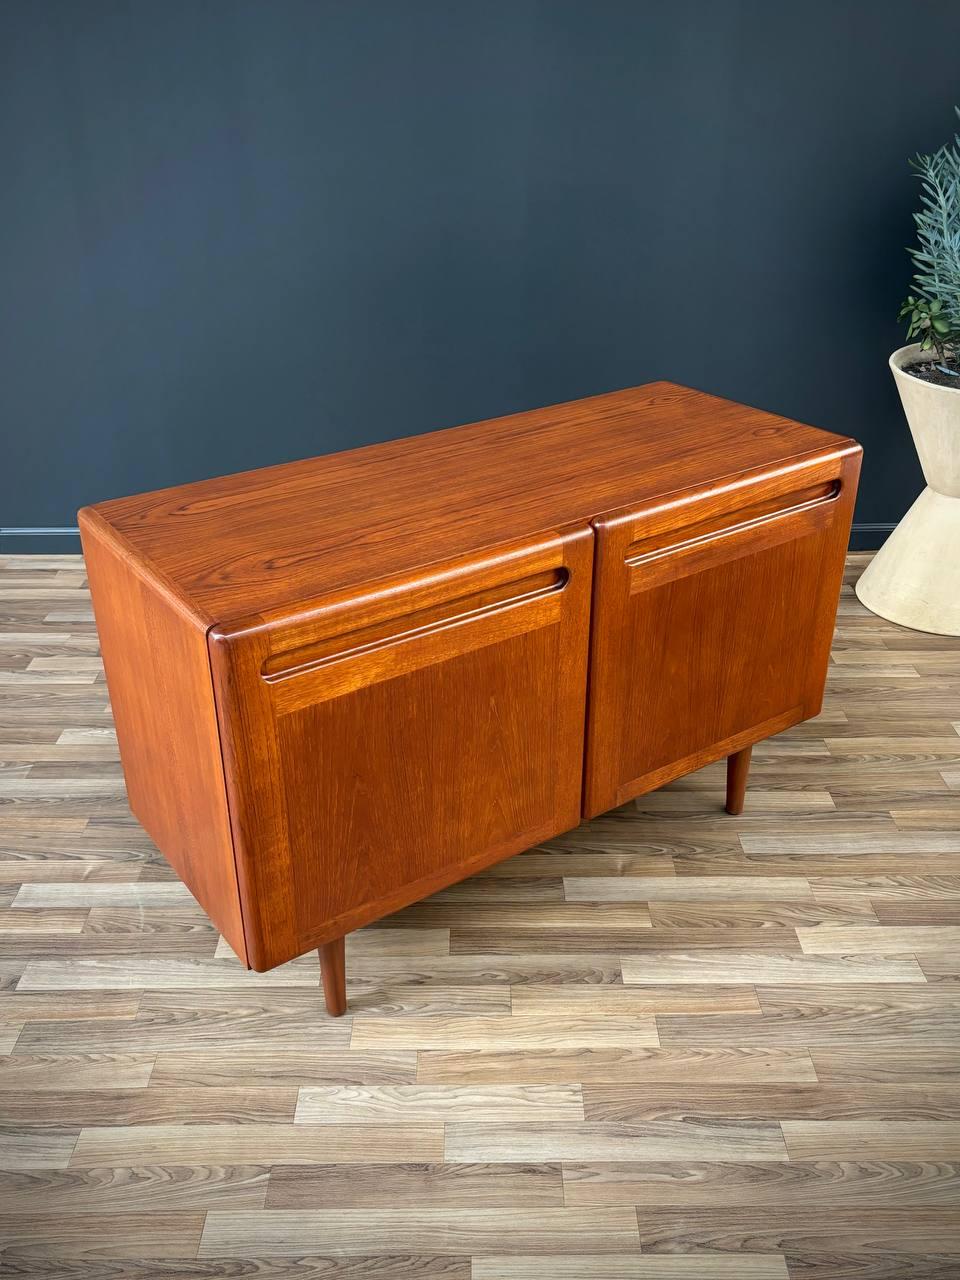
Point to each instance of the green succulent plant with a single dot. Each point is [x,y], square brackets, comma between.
[932,310]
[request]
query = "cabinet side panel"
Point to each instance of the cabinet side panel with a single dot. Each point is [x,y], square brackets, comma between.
[158,676]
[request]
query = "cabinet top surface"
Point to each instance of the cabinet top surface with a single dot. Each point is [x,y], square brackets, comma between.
[267,540]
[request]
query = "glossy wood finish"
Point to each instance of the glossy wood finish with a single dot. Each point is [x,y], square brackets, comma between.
[712,618]
[276,538]
[398,639]
[382,747]
[163,1107]
[738,767]
[158,667]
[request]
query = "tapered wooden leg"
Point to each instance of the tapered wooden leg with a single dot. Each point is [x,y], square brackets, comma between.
[334,975]
[738,766]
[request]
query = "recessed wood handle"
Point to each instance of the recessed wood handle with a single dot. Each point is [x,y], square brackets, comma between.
[456,612]
[732,522]
[675,553]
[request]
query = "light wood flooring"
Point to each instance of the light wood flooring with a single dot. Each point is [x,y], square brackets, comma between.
[669,1044]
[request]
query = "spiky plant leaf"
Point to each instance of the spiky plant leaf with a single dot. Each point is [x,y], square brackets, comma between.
[937,255]
[933,309]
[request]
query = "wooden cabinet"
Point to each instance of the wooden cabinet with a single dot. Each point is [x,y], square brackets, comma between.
[343,683]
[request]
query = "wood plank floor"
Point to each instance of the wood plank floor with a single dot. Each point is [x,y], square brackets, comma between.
[671,1044]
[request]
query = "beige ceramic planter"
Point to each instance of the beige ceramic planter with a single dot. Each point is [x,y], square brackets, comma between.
[915,578]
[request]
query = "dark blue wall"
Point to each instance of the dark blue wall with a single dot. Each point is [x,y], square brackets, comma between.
[239,231]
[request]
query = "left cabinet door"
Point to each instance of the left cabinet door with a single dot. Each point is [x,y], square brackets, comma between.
[387,742]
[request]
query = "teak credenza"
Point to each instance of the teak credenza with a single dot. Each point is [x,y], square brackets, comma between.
[344,683]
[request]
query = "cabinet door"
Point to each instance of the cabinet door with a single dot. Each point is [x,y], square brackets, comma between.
[386,743]
[712,623]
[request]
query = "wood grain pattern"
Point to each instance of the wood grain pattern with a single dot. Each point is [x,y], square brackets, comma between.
[25,1263]
[826,1028]
[256,1143]
[884,941]
[373,727]
[294,1232]
[697,566]
[759,915]
[888,1140]
[633,1104]
[702,966]
[616,1065]
[255,1068]
[345,809]
[28,1148]
[438,495]
[864,1181]
[166,724]
[43,1007]
[582,1031]
[86,1071]
[778,940]
[145,1189]
[98,1236]
[656,1140]
[873,1231]
[435,1186]
[749,1111]
[563,1001]
[631,1267]
[855,1062]
[128,1107]
[639,888]
[439,1104]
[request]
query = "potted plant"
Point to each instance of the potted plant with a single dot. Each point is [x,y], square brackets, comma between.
[915,578]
